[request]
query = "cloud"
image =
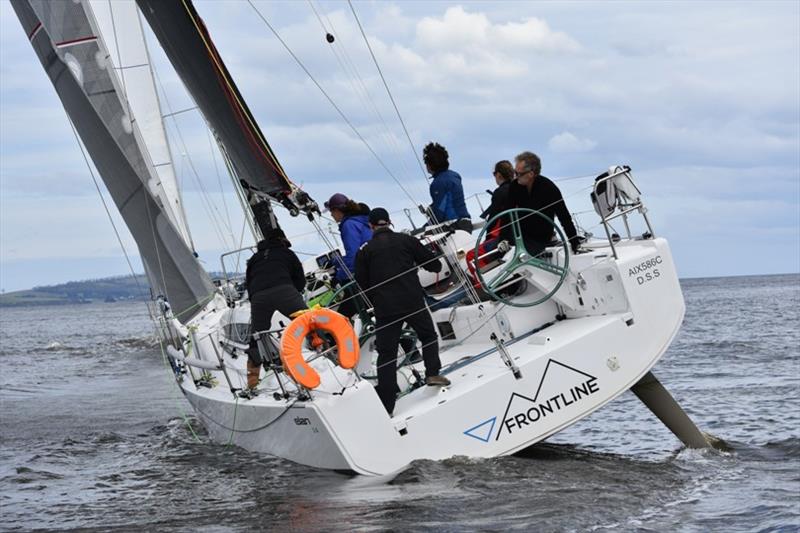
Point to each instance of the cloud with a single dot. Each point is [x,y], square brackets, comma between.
[461,30]
[566,142]
[674,91]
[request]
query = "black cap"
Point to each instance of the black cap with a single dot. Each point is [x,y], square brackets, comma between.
[379,217]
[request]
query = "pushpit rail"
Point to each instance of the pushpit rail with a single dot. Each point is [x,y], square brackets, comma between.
[616,195]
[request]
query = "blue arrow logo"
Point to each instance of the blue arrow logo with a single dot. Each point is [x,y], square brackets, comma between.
[482,431]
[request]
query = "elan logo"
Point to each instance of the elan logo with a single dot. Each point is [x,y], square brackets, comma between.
[560,388]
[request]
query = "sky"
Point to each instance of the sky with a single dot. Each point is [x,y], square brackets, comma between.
[701,99]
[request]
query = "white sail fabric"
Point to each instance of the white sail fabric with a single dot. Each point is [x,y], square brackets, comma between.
[67,44]
[121,30]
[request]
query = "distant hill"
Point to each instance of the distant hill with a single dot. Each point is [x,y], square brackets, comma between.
[92,290]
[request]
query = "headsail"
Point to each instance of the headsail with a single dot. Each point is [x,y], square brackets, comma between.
[121,29]
[76,60]
[188,45]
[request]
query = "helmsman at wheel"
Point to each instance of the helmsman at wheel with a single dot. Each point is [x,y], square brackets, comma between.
[386,268]
[531,190]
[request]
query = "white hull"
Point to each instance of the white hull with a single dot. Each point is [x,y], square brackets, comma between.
[567,370]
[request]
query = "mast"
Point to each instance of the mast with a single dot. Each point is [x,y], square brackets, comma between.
[75,58]
[189,47]
[121,29]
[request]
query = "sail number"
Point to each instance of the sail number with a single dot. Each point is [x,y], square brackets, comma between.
[646,270]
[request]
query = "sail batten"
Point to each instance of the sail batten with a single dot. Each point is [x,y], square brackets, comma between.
[76,61]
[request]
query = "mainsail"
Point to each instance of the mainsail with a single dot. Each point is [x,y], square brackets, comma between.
[65,39]
[188,45]
[122,33]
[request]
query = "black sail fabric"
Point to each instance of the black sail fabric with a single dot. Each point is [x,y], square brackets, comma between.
[64,38]
[184,38]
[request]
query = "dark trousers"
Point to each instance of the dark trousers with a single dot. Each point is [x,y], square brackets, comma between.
[387,339]
[352,304]
[263,304]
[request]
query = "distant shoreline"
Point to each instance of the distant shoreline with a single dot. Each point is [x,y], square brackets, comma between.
[128,288]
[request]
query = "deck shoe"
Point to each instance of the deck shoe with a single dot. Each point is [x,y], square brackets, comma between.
[437,381]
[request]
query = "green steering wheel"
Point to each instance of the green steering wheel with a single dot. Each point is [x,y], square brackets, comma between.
[520,258]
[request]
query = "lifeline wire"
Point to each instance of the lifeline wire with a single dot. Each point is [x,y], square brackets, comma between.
[436,258]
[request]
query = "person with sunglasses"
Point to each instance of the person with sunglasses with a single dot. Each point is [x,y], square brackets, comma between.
[531,190]
[503,175]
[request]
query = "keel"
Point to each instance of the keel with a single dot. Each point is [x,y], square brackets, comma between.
[661,403]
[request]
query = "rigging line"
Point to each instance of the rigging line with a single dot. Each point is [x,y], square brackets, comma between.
[335,106]
[219,181]
[244,205]
[350,69]
[241,242]
[574,178]
[178,200]
[110,218]
[179,112]
[145,191]
[386,85]
[166,204]
[457,266]
[207,204]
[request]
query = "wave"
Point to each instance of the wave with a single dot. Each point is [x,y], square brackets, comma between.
[147,342]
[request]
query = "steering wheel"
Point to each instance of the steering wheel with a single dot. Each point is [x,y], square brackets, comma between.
[520,258]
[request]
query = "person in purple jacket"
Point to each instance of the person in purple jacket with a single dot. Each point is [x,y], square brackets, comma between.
[354,230]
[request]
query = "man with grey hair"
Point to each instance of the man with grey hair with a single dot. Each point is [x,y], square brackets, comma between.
[531,190]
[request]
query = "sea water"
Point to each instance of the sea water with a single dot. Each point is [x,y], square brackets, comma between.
[95,435]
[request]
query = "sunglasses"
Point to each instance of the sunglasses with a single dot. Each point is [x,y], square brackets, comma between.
[519,174]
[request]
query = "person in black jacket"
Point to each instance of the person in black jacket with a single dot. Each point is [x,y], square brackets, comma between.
[503,174]
[275,281]
[531,190]
[385,269]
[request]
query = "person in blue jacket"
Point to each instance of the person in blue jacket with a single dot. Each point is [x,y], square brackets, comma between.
[354,230]
[447,193]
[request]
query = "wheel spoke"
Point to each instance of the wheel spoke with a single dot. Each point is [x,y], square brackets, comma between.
[499,280]
[521,257]
[545,265]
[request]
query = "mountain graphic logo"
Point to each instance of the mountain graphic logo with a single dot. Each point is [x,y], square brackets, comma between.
[566,386]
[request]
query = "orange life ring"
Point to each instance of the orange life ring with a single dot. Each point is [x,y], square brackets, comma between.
[295,333]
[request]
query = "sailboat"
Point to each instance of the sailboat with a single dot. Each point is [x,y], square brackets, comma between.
[548,340]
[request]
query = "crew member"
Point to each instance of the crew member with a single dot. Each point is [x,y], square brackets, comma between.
[503,174]
[386,270]
[531,190]
[447,192]
[355,231]
[275,282]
